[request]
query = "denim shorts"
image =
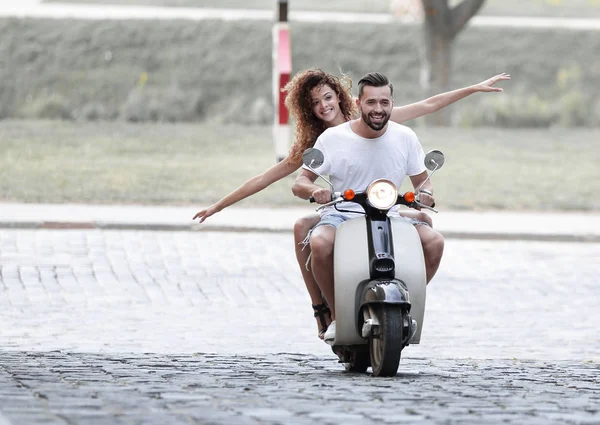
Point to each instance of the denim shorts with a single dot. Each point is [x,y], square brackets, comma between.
[414,221]
[334,220]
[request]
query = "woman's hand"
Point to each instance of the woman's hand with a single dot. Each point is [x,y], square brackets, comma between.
[205,213]
[488,85]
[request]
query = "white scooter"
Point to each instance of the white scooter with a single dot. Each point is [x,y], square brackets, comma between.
[379,275]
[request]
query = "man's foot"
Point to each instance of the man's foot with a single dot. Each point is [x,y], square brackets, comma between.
[330,334]
[323,315]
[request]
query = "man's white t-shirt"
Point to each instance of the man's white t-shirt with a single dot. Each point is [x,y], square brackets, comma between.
[353,162]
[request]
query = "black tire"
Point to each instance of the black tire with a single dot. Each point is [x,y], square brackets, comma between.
[386,347]
[359,361]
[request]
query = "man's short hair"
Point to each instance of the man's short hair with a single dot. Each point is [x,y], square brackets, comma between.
[374,79]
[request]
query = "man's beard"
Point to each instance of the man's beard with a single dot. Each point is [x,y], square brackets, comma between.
[376,125]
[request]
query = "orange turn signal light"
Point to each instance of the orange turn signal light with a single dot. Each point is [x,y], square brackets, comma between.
[349,195]
[409,197]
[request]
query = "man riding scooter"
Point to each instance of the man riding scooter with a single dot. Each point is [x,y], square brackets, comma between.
[357,153]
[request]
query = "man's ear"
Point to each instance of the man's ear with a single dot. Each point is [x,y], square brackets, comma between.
[358,102]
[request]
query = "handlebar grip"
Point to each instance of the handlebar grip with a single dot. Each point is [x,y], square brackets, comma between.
[311,200]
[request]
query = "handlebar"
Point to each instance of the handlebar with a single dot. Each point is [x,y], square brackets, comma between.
[427,207]
[338,197]
[334,195]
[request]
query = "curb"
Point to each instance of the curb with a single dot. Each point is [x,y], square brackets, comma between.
[448,234]
[100,11]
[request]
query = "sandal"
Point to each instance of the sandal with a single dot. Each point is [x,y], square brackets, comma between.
[320,311]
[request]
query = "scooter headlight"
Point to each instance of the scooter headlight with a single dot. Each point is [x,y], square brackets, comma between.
[382,194]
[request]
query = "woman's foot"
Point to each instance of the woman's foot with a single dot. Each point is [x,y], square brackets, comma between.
[323,315]
[329,336]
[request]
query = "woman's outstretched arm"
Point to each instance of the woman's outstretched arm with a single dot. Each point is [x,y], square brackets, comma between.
[405,113]
[252,186]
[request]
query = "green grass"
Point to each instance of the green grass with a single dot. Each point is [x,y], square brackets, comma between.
[196,164]
[546,8]
[221,71]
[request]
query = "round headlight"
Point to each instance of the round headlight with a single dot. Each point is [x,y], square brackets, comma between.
[382,194]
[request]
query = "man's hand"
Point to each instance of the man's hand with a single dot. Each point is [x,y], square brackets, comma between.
[426,197]
[322,195]
[487,85]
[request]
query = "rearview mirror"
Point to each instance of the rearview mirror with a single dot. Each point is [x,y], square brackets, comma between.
[434,160]
[313,158]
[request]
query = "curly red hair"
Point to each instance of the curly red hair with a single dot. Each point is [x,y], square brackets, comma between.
[299,103]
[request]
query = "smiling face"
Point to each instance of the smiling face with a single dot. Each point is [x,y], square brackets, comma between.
[326,105]
[376,104]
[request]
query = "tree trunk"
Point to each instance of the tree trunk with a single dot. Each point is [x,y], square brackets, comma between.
[435,72]
[441,24]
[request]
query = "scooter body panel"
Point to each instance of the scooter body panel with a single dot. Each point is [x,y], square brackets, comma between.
[410,268]
[351,274]
[350,267]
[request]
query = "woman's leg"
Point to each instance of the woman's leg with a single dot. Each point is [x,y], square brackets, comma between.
[301,229]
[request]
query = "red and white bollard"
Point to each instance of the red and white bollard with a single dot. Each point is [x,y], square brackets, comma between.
[282,70]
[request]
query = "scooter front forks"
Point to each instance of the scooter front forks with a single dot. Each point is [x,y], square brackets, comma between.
[370,321]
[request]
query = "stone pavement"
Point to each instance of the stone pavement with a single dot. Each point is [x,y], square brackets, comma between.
[140,327]
[82,388]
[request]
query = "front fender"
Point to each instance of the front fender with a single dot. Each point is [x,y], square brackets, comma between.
[388,291]
[381,291]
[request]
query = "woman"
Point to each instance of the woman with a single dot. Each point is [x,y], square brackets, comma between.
[318,100]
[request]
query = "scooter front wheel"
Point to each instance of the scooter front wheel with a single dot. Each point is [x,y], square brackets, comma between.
[385,345]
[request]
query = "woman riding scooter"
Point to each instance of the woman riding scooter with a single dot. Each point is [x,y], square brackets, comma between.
[318,100]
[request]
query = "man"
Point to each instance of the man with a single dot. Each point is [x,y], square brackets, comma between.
[356,153]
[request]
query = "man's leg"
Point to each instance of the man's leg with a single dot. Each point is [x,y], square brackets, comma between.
[433,248]
[321,245]
[418,215]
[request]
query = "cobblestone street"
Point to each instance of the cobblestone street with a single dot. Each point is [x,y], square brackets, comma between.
[67,388]
[132,327]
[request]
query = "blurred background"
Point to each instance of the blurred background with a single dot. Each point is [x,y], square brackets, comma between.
[180,111]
